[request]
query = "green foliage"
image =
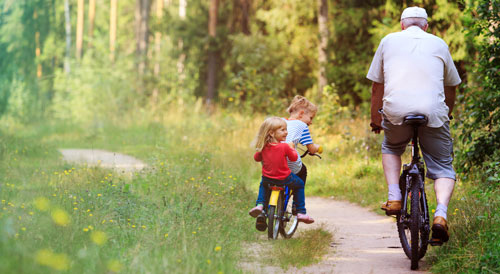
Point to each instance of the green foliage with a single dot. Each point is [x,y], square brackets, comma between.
[480,131]
[257,74]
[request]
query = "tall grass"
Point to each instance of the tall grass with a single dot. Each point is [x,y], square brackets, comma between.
[184,214]
[188,211]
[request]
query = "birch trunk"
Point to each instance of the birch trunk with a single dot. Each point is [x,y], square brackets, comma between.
[67,20]
[112,29]
[323,43]
[91,21]
[79,28]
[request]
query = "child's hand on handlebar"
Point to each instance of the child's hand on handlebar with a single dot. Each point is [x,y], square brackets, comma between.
[292,145]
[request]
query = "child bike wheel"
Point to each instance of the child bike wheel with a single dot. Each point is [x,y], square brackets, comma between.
[290,222]
[274,219]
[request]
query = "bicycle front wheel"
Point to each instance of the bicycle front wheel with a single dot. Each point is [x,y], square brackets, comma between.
[289,222]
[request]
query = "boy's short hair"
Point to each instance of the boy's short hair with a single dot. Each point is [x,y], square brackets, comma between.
[301,103]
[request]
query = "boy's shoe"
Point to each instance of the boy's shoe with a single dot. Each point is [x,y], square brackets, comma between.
[260,223]
[440,233]
[256,211]
[391,207]
[305,218]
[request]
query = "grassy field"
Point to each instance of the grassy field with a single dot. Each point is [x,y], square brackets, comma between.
[187,213]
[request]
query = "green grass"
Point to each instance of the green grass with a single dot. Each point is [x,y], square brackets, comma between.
[305,248]
[188,212]
[183,215]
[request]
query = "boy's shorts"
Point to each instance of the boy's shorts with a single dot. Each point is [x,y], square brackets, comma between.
[435,143]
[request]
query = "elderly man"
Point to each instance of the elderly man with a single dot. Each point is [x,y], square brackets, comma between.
[413,73]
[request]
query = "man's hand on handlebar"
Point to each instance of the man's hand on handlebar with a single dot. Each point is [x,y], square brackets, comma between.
[375,128]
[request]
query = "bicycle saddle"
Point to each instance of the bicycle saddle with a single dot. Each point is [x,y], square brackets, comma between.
[415,120]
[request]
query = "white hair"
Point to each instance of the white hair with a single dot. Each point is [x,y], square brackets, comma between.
[414,21]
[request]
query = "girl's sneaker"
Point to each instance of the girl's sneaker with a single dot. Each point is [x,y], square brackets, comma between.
[256,211]
[305,218]
[261,223]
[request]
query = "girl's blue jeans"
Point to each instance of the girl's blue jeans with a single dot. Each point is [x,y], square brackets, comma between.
[293,182]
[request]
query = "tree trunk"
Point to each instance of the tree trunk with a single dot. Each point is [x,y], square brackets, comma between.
[91,21]
[79,28]
[245,10]
[112,29]
[323,43]
[180,42]
[159,15]
[212,58]
[142,34]
[67,20]
[37,48]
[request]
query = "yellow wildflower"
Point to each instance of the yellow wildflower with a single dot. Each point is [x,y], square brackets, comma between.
[85,229]
[166,235]
[60,217]
[208,261]
[99,237]
[217,248]
[57,261]
[42,203]
[114,266]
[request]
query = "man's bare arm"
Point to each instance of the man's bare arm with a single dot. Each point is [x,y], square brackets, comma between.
[449,97]
[376,104]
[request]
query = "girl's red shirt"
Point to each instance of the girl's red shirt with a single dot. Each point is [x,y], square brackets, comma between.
[273,158]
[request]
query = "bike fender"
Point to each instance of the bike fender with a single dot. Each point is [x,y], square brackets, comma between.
[273,200]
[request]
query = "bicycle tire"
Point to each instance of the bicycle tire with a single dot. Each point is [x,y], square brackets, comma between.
[402,223]
[289,222]
[402,219]
[415,222]
[274,218]
[271,218]
[424,234]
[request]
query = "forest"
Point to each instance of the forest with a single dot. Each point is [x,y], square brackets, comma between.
[95,67]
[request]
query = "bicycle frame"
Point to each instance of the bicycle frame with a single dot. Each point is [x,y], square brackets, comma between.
[416,168]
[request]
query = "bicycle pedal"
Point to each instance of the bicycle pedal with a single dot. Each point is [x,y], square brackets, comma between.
[435,242]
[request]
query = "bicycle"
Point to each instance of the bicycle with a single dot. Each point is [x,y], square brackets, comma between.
[281,213]
[413,220]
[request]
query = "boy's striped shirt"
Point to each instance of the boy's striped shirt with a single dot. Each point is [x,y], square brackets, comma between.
[298,133]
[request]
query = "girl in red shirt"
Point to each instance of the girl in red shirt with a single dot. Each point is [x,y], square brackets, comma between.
[273,155]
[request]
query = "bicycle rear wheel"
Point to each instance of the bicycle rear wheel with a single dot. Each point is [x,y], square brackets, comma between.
[289,222]
[404,220]
[274,216]
[415,220]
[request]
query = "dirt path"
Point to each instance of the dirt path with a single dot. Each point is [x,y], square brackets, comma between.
[106,159]
[364,241]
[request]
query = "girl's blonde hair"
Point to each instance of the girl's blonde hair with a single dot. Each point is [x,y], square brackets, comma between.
[301,103]
[269,126]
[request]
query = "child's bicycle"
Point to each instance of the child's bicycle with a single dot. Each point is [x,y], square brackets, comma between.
[281,213]
[413,220]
